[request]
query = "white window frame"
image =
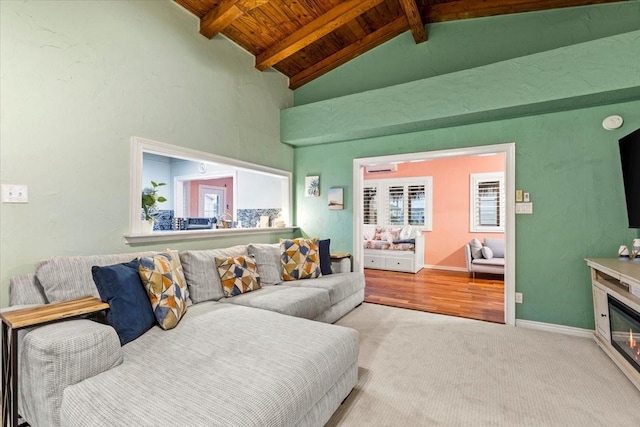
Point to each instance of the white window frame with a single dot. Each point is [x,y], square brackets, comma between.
[382,186]
[474,221]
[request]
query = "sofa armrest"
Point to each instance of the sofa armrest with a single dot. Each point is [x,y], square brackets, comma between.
[55,356]
[467,255]
[342,265]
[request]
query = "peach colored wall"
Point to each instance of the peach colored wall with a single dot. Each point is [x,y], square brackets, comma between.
[444,246]
[220,182]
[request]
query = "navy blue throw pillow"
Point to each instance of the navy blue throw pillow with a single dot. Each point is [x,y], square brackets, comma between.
[325,256]
[130,312]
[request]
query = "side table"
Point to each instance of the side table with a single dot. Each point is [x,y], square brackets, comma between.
[12,322]
[336,256]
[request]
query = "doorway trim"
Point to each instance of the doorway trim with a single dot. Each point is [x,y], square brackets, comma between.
[509,150]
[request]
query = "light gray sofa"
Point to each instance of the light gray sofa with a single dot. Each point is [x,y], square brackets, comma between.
[485,258]
[255,359]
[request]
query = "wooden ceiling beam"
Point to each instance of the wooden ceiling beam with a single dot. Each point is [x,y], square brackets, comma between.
[410,9]
[372,40]
[223,15]
[313,31]
[451,11]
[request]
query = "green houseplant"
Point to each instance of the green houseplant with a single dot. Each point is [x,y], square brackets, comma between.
[150,199]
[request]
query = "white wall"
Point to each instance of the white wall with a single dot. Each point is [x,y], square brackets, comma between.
[259,191]
[78,79]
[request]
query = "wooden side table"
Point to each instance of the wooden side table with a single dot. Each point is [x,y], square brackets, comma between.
[12,322]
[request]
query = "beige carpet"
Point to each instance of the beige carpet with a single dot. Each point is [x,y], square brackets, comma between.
[422,369]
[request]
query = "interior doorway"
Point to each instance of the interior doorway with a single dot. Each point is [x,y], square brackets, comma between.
[508,210]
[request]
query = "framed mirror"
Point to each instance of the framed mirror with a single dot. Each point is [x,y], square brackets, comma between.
[206,192]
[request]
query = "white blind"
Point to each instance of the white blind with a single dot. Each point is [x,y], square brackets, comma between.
[398,202]
[370,208]
[395,205]
[416,205]
[488,202]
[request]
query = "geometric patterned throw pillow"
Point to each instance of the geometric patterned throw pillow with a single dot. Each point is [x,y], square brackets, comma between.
[238,275]
[300,259]
[166,287]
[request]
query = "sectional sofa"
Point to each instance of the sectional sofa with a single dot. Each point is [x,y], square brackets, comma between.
[269,357]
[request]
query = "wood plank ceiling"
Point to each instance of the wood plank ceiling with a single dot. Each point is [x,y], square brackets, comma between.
[304,39]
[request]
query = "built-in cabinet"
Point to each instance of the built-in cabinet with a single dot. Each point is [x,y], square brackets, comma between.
[621,280]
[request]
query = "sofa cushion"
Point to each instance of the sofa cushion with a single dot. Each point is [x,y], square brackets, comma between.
[166,287]
[487,253]
[268,261]
[324,249]
[238,275]
[307,303]
[339,286]
[64,278]
[299,258]
[476,248]
[270,373]
[492,261]
[496,245]
[130,312]
[201,273]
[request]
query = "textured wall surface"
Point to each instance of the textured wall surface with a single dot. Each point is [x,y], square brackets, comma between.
[460,45]
[568,163]
[78,79]
[608,71]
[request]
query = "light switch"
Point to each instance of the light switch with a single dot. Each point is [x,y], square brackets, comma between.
[13,193]
[518,195]
[524,208]
[526,197]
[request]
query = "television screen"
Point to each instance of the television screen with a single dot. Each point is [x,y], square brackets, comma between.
[630,159]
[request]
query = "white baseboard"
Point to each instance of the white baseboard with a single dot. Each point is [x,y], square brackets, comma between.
[445,267]
[559,329]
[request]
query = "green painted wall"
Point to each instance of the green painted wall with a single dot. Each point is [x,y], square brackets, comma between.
[459,45]
[550,103]
[568,163]
[590,73]
[78,79]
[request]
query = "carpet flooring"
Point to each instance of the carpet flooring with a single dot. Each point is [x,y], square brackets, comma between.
[423,369]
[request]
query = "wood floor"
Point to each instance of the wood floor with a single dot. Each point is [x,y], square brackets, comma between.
[438,291]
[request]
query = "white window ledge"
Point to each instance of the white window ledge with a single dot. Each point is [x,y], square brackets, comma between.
[166,236]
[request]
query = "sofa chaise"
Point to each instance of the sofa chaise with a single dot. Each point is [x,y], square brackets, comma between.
[269,357]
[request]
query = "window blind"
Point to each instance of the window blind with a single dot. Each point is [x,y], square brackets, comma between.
[370,208]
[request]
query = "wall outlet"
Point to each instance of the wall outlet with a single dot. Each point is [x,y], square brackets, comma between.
[13,193]
[518,297]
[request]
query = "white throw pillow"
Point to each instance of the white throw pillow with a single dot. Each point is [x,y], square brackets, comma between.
[406,232]
[368,231]
[476,248]
[487,253]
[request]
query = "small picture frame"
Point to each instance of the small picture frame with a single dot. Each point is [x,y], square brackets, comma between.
[336,198]
[312,186]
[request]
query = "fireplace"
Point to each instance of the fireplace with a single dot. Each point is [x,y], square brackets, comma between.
[625,331]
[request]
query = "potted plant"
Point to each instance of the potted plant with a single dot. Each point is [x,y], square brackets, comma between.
[150,199]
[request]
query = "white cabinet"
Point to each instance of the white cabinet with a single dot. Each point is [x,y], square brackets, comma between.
[620,280]
[601,312]
[406,261]
[374,262]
